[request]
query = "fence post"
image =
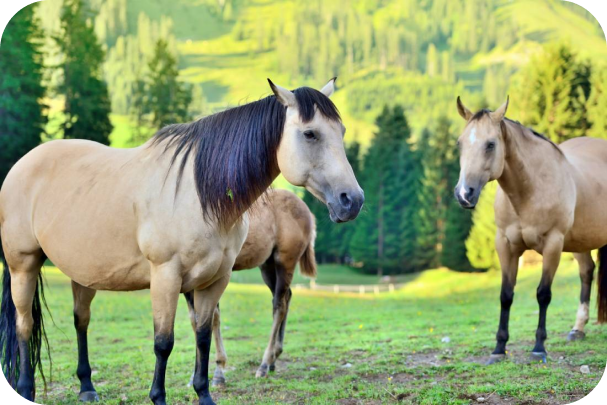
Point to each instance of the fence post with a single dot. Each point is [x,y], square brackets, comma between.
[391,287]
[361,289]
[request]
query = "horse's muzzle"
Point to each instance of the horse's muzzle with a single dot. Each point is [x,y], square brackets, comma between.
[346,205]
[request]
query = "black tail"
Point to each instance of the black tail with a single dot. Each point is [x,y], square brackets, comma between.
[602,285]
[9,348]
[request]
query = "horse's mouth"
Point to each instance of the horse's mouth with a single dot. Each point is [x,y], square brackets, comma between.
[333,215]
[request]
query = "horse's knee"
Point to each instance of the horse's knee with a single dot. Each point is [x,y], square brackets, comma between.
[163,345]
[507,297]
[544,295]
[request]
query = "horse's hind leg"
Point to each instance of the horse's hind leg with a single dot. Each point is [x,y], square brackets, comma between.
[275,275]
[24,278]
[83,296]
[281,332]
[586,274]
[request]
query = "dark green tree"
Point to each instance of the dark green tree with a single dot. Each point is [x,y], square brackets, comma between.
[87,104]
[442,225]
[551,93]
[377,241]
[22,119]
[168,100]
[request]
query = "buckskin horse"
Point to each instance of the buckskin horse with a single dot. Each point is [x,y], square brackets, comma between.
[169,215]
[549,200]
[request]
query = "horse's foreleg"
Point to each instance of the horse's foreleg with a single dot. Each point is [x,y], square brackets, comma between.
[165,286]
[553,247]
[508,257]
[586,275]
[280,308]
[205,302]
[220,353]
[83,297]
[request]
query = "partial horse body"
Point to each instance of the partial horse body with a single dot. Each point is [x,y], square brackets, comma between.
[168,216]
[282,231]
[550,199]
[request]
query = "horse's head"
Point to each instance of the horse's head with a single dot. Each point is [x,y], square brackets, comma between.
[482,152]
[311,152]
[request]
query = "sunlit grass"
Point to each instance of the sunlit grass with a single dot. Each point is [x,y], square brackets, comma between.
[393,342]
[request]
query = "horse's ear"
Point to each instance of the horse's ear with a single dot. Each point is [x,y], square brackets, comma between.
[462,110]
[499,114]
[329,88]
[286,97]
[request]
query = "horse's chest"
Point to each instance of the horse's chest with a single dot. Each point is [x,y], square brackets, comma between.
[214,260]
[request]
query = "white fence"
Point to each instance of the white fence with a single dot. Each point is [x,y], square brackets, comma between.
[345,288]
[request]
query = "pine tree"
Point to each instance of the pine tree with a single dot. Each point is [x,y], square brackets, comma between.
[597,104]
[169,99]
[551,94]
[87,104]
[22,119]
[458,222]
[377,241]
[480,244]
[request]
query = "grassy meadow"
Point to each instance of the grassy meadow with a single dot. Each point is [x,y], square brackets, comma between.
[342,348]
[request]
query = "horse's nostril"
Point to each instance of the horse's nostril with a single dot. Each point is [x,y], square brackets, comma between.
[345,200]
[470,191]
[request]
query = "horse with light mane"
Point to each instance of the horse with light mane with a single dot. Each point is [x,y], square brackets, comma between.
[282,231]
[549,200]
[169,215]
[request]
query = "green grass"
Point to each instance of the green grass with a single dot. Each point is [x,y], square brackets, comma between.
[392,341]
[327,274]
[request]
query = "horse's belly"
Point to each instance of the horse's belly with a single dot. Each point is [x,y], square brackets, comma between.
[104,272]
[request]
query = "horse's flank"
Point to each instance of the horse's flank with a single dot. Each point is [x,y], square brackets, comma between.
[281,225]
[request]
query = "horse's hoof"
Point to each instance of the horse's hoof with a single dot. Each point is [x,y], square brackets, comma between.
[206,401]
[262,371]
[495,358]
[219,382]
[539,357]
[272,368]
[88,396]
[575,335]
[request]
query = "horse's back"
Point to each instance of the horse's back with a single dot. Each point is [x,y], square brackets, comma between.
[279,222]
[295,225]
[583,149]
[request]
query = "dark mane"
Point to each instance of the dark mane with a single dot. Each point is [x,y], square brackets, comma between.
[234,151]
[537,134]
[485,112]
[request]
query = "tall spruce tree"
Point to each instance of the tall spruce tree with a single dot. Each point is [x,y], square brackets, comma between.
[551,94]
[597,103]
[87,104]
[377,241]
[168,100]
[442,226]
[22,119]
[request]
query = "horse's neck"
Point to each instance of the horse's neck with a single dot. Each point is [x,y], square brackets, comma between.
[530,164]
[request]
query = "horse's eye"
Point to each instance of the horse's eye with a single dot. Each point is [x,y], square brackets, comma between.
[490,145]
[310,135]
